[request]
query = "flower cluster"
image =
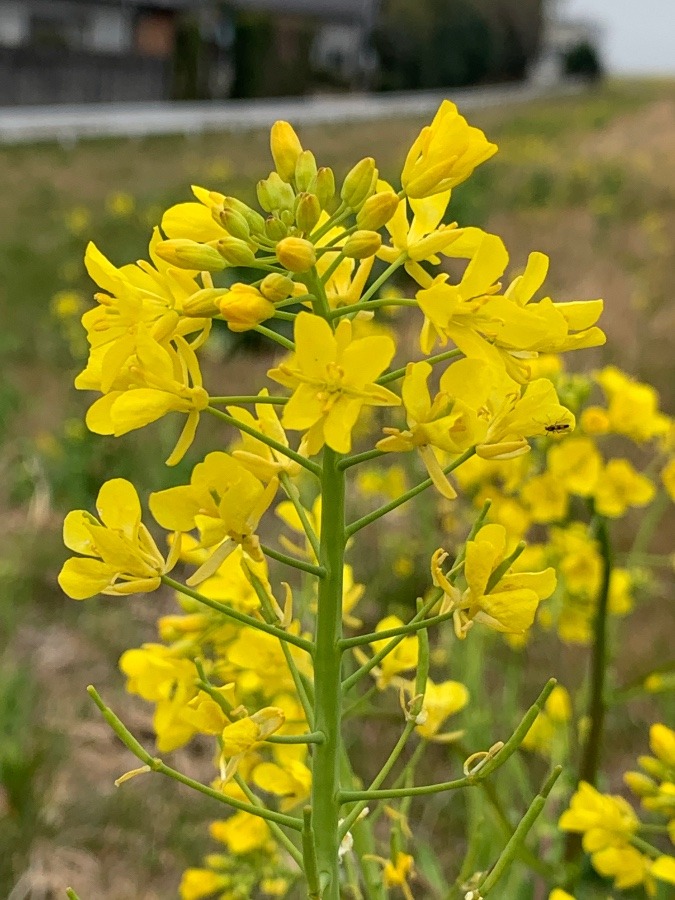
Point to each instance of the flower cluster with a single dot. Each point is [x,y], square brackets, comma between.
[267,671]
[611,829]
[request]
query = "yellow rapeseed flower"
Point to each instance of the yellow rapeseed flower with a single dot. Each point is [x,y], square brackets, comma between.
[119,555]
[224,502]
[444,154]
[603,820]
[333,378]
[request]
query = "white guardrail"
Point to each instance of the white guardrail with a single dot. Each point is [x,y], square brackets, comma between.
[67,124]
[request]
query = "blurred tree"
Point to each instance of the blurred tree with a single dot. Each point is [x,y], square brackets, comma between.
[444,43]
[583,61]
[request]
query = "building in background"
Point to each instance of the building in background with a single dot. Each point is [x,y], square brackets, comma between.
[282,47]
[570,45]
[72,51]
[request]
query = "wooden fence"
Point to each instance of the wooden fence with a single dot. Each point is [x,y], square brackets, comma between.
[30,76]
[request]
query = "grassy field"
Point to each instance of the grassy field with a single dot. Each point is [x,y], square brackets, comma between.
[589,180]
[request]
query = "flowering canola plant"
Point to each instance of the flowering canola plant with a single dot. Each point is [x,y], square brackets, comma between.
[271,677]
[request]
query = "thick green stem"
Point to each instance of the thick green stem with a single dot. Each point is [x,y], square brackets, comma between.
[590,757]
[588,769]
[327,677]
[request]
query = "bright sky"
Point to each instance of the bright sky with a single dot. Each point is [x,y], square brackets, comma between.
[638,35]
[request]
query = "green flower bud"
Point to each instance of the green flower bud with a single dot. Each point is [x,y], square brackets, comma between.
[256,223]
[323,186]
[307,212]
[203,304]
[305,170]
[362,244]
[653,767]
[359,183]
[296,254]
[640,784]
[235,252]
[274,194]
[377,210]
[235,224]
[186,254]
[276,287]
[275,229]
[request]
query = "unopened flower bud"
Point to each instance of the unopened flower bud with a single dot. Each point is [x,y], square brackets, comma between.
[203,304]
[274,193]
[235,224]
[307,212]
[296,254]
[640,784]
[362,244]
[243,307]
[235,252]
[276,287]
[286,148]
[275,229]
[359,183]
[323,186]
[653,767]
[377,210]
[256,223]
[305,170]
[187,254]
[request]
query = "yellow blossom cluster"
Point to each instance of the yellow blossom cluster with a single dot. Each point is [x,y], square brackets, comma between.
[261,669]
[611,829]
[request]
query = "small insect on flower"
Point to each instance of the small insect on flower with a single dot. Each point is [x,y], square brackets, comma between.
[557,427]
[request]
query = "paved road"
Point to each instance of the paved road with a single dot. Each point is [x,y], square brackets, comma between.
[69,123]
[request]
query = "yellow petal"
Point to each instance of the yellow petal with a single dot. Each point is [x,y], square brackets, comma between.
[84,578]
[118,506]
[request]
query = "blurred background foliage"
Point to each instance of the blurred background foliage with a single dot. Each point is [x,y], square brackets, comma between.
[587,179]
[442,43]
